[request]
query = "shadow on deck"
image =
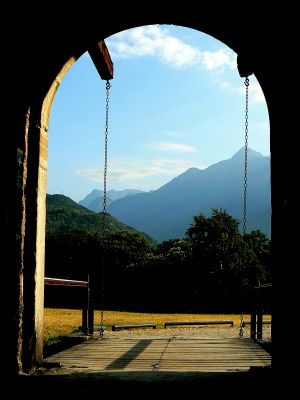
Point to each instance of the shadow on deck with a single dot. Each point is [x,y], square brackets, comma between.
[129,368]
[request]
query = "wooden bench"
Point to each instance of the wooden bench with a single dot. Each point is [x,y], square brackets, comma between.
[132,326]
[249,323]
[226,322]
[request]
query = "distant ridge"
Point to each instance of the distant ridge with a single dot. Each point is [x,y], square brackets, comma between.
[168,211]
[94,200]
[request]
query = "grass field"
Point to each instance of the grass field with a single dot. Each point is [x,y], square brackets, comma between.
[59,322]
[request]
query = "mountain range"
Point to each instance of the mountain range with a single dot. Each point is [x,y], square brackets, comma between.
[94,200]
[168,212]
[66,216]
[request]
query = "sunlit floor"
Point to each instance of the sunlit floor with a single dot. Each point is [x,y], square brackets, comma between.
[151,353]
[163,364]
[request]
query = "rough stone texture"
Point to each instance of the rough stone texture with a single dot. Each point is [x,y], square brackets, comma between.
[32,65]
[41,210]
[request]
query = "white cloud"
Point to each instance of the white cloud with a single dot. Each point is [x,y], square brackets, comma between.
[256,94]
[90,174]
[152,41]
[218,59]
[156,41]
[127,171]
[171,147]
[225,85]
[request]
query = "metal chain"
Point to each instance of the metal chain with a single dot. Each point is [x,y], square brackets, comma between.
[104,214]
[241,331]
[246,157]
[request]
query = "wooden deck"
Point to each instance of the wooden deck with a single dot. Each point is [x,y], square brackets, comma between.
[163,354]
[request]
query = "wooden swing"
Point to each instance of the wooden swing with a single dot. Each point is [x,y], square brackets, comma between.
[103,63]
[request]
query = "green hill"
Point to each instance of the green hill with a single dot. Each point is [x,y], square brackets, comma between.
[66,216]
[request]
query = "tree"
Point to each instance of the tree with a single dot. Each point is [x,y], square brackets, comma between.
[258,266]
[215,241]
[226,263]
[123,257]
[216,253]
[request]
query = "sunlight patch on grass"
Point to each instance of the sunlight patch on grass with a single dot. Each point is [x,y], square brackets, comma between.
[59,322]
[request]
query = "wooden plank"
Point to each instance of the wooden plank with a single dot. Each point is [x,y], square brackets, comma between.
[259,325]
[263,322]
[167,354]
[132,326]
[64,282]
[224,322]
[252,325]
[101,58]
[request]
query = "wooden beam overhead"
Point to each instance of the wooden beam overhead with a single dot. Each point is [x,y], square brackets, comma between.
[101,58]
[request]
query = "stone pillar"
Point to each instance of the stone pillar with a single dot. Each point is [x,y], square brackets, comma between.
[34,211]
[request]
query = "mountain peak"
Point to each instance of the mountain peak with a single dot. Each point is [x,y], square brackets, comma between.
[186,176]
[166,213]
[251,154]
[191,171]
[95,198]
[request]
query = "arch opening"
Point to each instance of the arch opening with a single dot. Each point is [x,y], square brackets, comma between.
[241,98]
[37,181]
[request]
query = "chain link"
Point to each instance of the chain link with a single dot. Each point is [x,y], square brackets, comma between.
[246,157]
[104,214]
[241,331]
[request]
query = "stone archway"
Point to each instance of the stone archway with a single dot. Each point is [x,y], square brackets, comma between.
[33,244]
[25,265]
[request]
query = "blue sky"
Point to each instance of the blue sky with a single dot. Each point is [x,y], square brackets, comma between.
[177,101]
